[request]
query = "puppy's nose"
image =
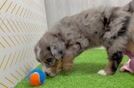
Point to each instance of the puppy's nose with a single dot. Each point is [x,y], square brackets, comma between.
[47,74]
[50,74]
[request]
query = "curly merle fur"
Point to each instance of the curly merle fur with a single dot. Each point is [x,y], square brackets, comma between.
[108,27]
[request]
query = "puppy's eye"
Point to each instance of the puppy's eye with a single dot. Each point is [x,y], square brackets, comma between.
[48,48]
[60,52]
[49,60]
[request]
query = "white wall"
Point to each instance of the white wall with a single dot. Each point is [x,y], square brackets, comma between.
[119,2]
[56,9]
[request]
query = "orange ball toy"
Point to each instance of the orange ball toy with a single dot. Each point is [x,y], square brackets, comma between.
[37,77]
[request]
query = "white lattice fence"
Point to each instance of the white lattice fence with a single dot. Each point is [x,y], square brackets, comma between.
[22,23]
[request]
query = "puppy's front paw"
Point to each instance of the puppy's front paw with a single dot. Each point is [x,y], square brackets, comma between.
[102,72]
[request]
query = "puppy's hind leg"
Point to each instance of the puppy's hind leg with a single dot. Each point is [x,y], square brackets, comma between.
[113,63]
[115,55]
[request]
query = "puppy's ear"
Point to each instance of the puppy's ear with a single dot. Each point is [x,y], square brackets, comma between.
[58,49]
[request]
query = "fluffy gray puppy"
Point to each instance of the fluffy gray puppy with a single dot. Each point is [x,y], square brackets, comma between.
[72,35]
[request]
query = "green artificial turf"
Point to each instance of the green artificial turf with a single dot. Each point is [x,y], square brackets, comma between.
[84,74]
